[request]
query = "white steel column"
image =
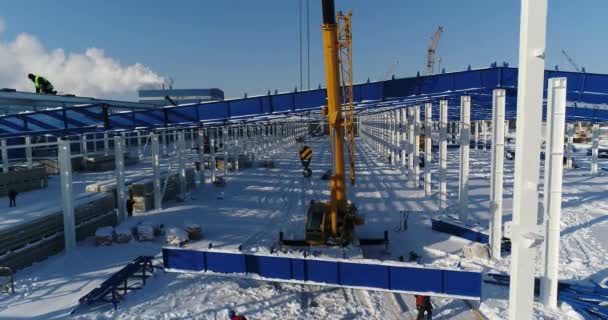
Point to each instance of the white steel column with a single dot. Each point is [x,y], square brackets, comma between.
[416,146]
[476,134]
[28,151]
[156,169]
[428,146]
[398,138]
[67,196]
[85,146]
[201,155]
[391,124]
[484,135]
[119,157]
[570,149]
[443,152]
[554,159]
[403,142]
[181,145]
[410,143]
[212,163]
[106,143]
[496,180]
[524,235]
[140,154]
[5,165]
[594,148]
[465,140]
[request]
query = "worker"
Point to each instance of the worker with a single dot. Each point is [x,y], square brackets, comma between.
[43,86]
[233,316]
[130,204]
[12,196]
[423,304]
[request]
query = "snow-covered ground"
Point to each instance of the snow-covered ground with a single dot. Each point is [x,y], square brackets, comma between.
[257,203]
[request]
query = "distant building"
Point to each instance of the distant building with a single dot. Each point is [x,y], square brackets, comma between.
[180,96]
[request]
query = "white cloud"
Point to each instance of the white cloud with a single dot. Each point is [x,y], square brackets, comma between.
[91,73]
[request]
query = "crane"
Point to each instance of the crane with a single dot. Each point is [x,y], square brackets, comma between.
[431,50]
[571,61]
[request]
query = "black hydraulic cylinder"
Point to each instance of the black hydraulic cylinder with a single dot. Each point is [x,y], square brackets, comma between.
[329,12]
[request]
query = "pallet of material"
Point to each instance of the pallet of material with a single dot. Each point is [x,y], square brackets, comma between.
[23,180]
[52,165]
[35,240]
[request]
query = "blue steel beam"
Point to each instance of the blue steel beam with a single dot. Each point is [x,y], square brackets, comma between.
[344,273]
[587,98]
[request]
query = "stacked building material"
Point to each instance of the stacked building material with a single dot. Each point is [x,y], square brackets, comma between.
[23,180]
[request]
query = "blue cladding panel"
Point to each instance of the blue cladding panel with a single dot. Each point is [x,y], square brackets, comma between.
[265,106]
[210,111]
[182,114]
[122,120]
[310,99]
[269,267]
[322,271]
[364,275]
[226,262]
[490,78]
[244,107]
[467,80]
[298,269]
[282,102]
[400,88]
[416,279]
[509,77]
[459,230]
[596,83]
[184,259]
[462,283]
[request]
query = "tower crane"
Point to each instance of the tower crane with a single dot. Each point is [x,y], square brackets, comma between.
[431,50]
[571,61]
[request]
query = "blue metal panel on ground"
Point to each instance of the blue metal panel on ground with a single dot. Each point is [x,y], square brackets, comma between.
[269,267]
[298,269]
[459,230]
[416,279]
[323,271]
[339,273]
[222,262]
[462,283]
[184,260]
[364,275]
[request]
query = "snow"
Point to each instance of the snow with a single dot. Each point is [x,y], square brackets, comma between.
[257,203]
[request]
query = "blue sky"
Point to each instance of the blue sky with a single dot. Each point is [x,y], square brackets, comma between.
[252,46]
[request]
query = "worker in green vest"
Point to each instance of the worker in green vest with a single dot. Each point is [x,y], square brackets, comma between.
[43,86]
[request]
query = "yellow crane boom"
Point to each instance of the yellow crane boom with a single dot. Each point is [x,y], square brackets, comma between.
[431,50]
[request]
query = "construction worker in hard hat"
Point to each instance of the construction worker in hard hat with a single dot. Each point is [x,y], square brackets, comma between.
[43,86]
